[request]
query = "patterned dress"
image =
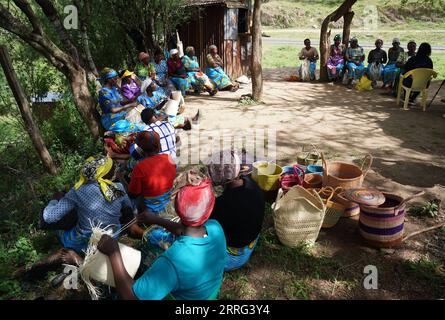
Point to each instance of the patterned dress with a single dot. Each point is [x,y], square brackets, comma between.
[336,62]
[91,207]
[177,68]
[390,71]
[199,79]
[116,122]
[354,55]
[165,85]
[217,75]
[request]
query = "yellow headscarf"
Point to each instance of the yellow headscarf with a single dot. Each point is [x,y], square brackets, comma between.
[95,169]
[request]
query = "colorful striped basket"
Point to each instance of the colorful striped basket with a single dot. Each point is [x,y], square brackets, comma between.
[382,226]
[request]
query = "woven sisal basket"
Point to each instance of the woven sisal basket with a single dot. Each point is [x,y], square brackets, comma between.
[298,216]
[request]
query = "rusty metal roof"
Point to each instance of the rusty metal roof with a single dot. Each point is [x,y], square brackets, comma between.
[228,3]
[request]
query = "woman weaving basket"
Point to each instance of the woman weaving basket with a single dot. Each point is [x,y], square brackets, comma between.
[192,268]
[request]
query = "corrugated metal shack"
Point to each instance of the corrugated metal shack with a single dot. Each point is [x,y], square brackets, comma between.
[225,24]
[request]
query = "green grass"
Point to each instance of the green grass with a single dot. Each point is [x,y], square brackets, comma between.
[278,56]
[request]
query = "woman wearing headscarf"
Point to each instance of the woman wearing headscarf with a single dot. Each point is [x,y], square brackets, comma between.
[114,108]
[215,71]
[376,59]
[192,268]
[144,69]
[177,72]
[199,80]
[152,177]
[391,70]
[354,55]
[96,200]
[239,210]
[336,61]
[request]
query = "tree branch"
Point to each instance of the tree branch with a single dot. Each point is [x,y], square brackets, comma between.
[25,7]
[51,13]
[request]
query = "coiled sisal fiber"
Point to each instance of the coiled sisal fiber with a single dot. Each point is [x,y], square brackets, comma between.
[96,266]
[298,216]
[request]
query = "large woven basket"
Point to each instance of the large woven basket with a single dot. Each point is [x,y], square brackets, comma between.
[345,175]
[298,216]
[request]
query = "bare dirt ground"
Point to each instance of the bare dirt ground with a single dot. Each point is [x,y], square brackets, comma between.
[409,155]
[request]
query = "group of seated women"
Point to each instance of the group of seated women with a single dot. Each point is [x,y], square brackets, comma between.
[188,238]
[382,66]
[157,85]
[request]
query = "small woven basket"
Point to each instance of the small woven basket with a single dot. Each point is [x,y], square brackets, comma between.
[334,209]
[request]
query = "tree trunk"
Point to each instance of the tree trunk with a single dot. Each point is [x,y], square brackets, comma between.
[84,101]
[343,11]
[256,69]
[347,27]
[25,111]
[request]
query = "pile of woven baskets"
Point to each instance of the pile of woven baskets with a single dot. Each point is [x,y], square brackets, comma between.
[311,194]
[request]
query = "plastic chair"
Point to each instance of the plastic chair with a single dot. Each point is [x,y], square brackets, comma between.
[421,78]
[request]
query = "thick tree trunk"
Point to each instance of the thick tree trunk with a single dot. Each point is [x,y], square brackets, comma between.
[84,101]
[347,27]
[256,69]
[324,49]
[25,111]
[343,10]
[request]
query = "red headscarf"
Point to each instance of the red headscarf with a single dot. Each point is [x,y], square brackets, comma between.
[194,204]
[149,141]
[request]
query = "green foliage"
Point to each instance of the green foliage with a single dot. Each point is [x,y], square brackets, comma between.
[429,209]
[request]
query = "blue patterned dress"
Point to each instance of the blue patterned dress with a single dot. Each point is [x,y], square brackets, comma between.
[217,75]
[109,99]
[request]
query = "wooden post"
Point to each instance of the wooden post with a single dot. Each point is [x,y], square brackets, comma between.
[256,69]
[25,111]
[347,21]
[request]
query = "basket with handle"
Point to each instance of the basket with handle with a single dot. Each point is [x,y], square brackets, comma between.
[334,209]
[288,180]
[298,216]
[345,175]
[309,158]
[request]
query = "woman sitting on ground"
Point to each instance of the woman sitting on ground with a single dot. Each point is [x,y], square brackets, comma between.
[216,73]
[177,72]
[114,108]
[152,177]
[150,97]
[420,60]
[144,69]
[200,81]
[391,70]
[354,55]
[239,210]
[336,61]
[131,85]
[161,73]
[94,200]
[376,59]
[192,268]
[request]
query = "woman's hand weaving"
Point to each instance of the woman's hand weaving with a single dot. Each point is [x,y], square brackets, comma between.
[107,245]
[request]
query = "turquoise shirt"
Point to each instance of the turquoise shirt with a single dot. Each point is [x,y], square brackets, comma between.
[191,269]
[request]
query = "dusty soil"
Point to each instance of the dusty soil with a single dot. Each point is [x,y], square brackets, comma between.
[408,148]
